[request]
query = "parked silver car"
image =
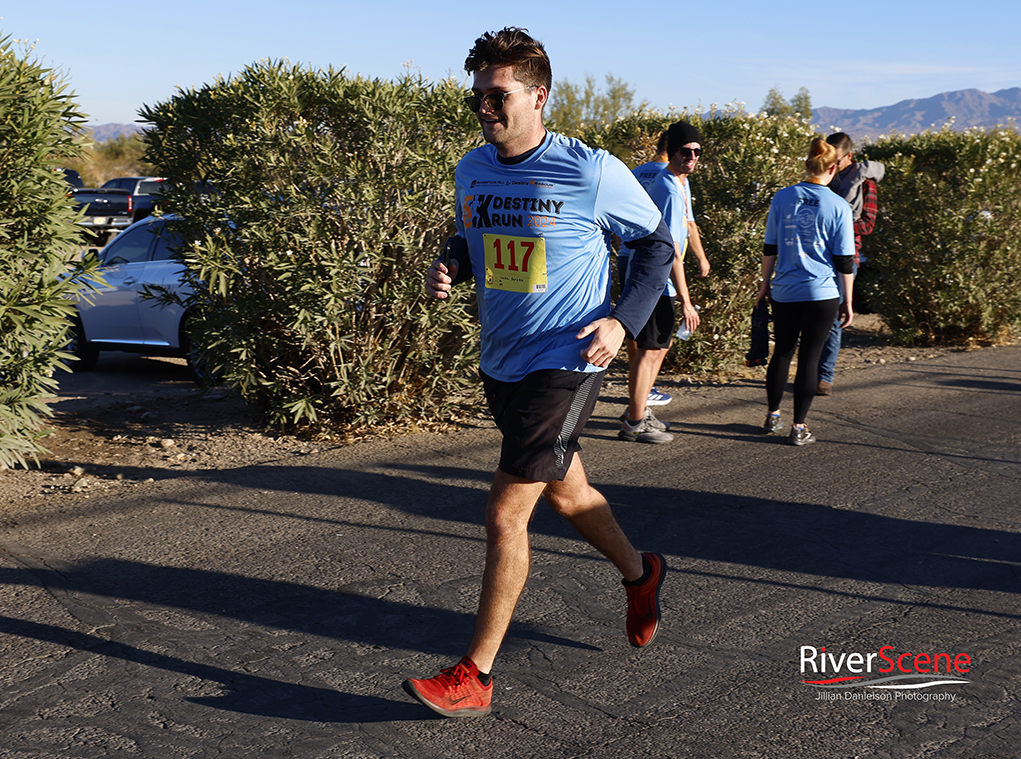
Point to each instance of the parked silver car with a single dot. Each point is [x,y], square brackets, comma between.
[118,317]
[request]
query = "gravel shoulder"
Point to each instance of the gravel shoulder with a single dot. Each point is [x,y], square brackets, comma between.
[137,420]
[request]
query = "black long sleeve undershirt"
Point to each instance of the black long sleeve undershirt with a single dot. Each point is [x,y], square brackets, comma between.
[843,264]
[651,260]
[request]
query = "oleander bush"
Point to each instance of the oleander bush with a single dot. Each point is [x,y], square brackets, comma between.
[315,201]
[39,243]
[945,258]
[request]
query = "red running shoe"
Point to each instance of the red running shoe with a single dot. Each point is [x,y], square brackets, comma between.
[454,692]
[643,612]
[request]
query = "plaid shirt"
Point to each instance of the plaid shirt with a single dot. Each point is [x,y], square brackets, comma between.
[867,221]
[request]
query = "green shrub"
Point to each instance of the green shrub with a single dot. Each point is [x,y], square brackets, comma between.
[117,157]
[323,199]
[945,257]
[38,243]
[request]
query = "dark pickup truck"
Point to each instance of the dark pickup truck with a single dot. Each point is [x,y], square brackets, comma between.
[106,210]
[146,193]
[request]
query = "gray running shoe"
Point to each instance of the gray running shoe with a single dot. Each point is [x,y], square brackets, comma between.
[650,418]
[801,436]
[773,424]
[643,432]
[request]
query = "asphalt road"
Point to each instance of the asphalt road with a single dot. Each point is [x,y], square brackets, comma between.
[274,610]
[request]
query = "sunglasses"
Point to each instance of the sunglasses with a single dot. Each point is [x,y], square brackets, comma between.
[690,152]
[494,100]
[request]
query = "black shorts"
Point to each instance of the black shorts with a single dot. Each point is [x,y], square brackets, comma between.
[541,418]
[659,330]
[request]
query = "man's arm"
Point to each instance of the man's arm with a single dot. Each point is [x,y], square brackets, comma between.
[869,208]
[681,283]
[651,259]
[695,243]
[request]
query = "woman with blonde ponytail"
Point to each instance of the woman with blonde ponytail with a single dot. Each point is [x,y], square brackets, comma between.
[807,263]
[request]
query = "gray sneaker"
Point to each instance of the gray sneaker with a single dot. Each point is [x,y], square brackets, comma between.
[643,432]
[801,436]
[650,418]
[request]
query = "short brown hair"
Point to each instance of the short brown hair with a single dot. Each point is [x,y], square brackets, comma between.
[512,46]
[842,142]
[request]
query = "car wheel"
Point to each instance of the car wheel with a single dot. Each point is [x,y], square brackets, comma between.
[79,348]
[197,364]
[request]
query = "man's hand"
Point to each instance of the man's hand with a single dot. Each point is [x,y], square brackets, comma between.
[703,266]
[690,315]
[607,336]
[439,278]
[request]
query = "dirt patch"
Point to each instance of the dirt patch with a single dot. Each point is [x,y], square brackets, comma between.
[156,424]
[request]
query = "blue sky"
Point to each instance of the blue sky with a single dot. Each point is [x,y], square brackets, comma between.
[118,57]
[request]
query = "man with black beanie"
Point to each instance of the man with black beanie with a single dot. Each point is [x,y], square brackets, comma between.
[671,193]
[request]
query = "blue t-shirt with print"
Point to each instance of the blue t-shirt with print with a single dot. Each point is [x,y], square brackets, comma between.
[809,224]
[646,173]
[672,197]
[538,235]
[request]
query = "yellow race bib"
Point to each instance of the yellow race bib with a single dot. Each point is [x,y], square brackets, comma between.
[515,264]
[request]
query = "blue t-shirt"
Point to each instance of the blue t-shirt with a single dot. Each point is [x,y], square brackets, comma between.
[672,196]
[647,172]
[538,237]
[809,224]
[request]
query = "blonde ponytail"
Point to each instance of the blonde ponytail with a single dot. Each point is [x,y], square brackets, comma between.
[821,156]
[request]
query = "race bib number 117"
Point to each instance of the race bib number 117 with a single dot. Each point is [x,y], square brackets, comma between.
[515,264]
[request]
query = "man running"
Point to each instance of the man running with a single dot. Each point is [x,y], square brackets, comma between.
[534,215]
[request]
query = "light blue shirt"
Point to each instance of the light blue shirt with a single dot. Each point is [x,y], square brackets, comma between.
[538,234]
[809,224]
[646,173]
[672,196]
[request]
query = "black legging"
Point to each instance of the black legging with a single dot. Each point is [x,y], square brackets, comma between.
[809,320]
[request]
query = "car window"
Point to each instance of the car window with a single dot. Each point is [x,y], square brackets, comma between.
[149,188]
[73,178]
[167,242]
[129,247]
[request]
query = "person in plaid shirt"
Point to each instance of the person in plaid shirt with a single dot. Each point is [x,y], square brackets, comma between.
[855,182]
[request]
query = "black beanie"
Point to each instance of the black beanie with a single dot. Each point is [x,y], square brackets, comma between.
[681,133]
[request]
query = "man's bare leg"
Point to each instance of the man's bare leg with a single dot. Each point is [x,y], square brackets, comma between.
[589,513]
[642,373]
[508,558]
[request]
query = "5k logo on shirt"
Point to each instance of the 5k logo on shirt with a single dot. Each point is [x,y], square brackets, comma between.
[498,211]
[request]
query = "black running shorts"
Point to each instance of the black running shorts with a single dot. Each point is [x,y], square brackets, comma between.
[658,332]
[541,418]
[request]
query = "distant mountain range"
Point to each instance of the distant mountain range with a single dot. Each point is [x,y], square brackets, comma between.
[968,108]
[104,132]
